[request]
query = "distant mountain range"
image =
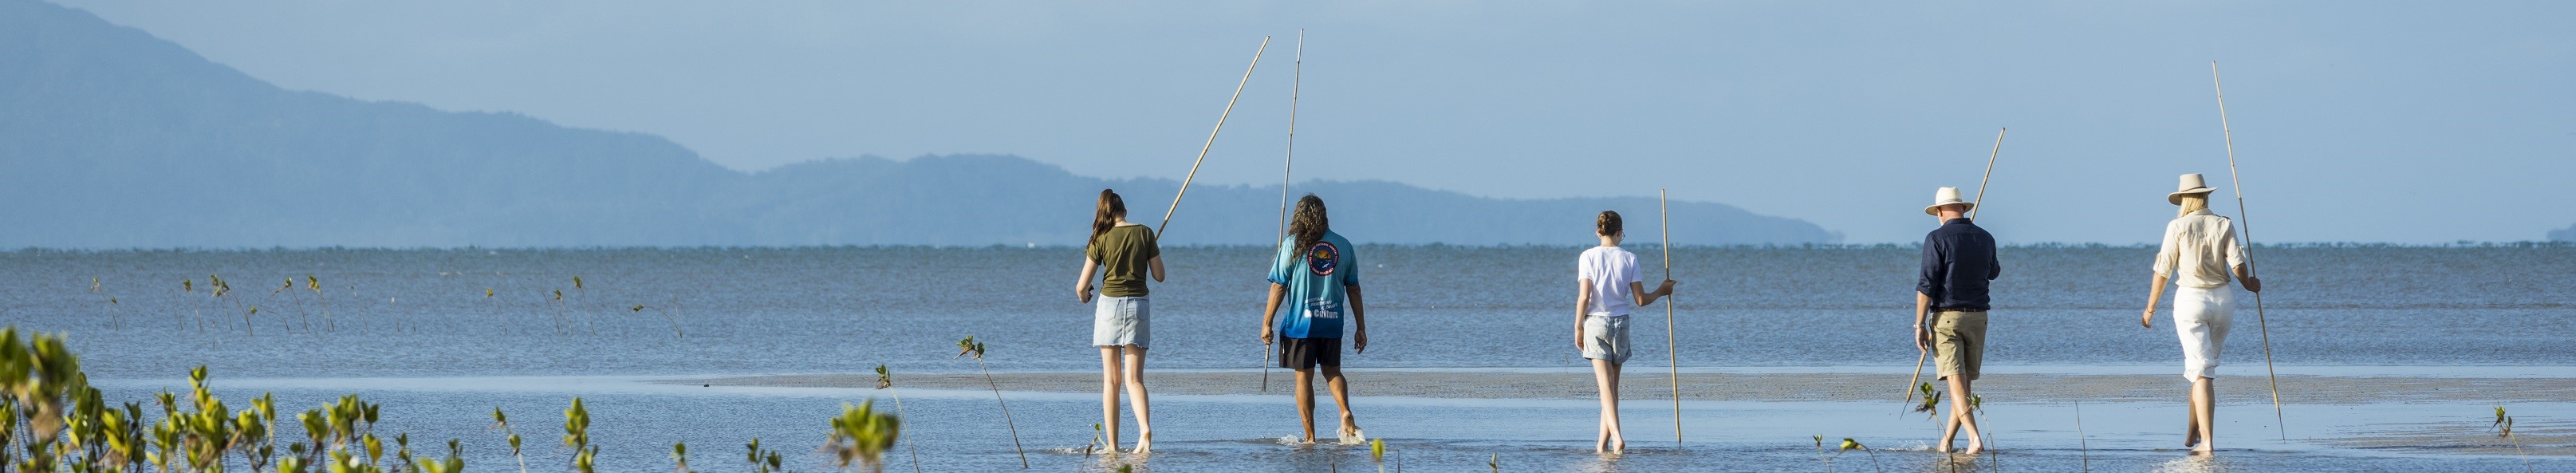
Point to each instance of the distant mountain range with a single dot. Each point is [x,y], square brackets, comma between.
[2564,234]
[112,138]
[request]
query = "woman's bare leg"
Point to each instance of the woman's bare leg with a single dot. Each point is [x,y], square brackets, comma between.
[1606,375]
[1137,400]
[2191,415]
[2204,407]
[1109,380]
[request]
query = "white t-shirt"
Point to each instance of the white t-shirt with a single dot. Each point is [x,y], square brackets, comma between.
[1610,270]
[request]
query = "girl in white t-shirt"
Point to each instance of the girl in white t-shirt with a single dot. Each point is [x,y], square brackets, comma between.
[1608,282]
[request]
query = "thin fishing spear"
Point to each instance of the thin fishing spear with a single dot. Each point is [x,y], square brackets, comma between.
[2247,225]
[1980,204]
[1211,140]
[1287,165]
[1664,209]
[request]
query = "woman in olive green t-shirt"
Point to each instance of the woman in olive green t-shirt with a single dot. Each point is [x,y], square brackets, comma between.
[1123,253]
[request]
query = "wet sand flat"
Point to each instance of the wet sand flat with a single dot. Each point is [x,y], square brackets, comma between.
[1783,387]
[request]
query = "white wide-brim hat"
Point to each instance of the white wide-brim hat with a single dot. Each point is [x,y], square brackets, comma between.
[1946,196]
[2191,184]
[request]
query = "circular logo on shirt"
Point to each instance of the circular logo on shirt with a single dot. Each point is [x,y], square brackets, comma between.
[1322,258]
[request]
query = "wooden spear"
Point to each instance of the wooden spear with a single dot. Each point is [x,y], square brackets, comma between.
[2246,224]
[1288,165]
[1664,209]
[1980,204]
[1211,139]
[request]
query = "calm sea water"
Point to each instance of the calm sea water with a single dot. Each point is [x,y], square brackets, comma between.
[424,314]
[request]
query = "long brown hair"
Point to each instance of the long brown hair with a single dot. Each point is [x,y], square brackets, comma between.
[1111,207]
[1608,224]
[1309,223]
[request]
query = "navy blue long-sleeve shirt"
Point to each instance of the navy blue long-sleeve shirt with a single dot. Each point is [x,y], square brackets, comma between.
[1958,260]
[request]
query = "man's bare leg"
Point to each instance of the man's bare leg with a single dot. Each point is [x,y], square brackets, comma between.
[1606,375]
[1305,396]
[1341,397]
[1136,398]
[1110,374]
[1963,414]
[2204,407]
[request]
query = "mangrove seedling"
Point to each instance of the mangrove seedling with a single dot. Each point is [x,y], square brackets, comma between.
[763,460]
[1377,453]
[1850,445]
[862,434]
[2504,429]
[969,346]
[1496,463]
[885,381]
[577,436]
[1931,405]
[502,421]
[328,323]
[666,315]
[680,453]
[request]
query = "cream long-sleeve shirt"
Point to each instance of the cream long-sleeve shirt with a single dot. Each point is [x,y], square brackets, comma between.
[2200,250]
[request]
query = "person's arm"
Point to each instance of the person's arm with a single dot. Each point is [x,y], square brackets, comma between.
[1082,287]
[1156,266]
[2154,294]
[2168,259]
[1935,267]
[1922,308]
[1270,312]
[1582,307]
[2245,276]
[1359,315]
[1647,298]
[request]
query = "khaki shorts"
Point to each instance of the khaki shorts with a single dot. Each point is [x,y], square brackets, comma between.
[1959,343]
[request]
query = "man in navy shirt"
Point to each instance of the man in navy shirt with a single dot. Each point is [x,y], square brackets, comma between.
[1958,260]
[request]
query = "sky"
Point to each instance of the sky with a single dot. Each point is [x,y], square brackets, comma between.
[2353,121]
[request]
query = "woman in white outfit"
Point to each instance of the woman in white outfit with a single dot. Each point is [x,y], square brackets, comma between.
[2197,254]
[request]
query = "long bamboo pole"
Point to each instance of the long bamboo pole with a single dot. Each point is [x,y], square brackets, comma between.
[1980,204]
[1211,139]
[2246,224]
[1990,174]
[1664,209]
[1287,166]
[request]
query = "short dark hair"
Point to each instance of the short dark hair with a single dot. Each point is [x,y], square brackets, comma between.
[1608,223]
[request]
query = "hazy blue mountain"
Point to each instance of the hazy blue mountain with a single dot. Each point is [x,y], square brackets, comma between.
[111,138]
[2564,234]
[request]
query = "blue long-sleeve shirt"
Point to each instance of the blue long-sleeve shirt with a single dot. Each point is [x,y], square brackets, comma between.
[1958,260]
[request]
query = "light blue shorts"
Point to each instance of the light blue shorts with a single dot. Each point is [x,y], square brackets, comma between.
[1605,338]
[1121,321]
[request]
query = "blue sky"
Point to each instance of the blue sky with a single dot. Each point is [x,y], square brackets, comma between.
[2355,121]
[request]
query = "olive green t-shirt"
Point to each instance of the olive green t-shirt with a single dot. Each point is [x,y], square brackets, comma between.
[1122,253]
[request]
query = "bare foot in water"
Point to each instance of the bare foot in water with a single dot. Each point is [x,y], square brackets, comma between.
[1144,443]
[2190,436]
[2204,450]
[1974,447]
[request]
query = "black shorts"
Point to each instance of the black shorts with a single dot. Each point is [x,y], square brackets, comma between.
[1302,353]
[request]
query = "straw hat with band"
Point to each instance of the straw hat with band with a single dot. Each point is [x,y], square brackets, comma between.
[1947,196]
[2191,184]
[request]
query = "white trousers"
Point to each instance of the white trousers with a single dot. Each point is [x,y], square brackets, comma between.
[2201,318]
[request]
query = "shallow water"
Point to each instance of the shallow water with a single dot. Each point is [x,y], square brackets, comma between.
[2500,311]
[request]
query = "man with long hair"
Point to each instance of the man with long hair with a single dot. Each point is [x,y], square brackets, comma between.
[1316,279]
